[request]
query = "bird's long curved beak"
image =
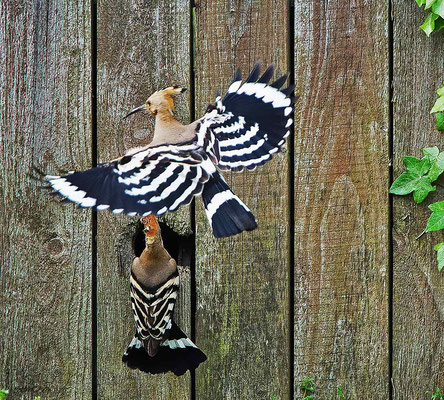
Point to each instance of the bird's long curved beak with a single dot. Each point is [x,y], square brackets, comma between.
[141,108]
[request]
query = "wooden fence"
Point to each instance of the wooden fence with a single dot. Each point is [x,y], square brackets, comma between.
[333,284]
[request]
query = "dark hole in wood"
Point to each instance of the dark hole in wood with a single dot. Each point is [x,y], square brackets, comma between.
[179,246]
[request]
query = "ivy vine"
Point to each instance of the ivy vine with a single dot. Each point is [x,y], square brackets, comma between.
[421,173]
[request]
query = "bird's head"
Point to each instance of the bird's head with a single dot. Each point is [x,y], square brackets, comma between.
[151,227]
[159,101]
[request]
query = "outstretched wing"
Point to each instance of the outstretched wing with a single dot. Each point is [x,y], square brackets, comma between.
[253,120]
[151,181]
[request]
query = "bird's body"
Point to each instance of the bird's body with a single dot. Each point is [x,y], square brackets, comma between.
[159,345]
[168,130]
[241,131]
[154,264]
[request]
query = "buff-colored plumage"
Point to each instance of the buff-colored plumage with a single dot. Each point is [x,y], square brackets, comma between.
[155,264]
[167,129]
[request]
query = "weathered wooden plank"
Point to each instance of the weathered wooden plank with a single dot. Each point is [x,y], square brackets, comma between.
[341,206]
[242,319]
[418,294]
[142,46]
[45,261]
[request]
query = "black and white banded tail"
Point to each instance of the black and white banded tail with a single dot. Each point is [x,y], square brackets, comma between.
[177,354]
[159,345]
[227,214]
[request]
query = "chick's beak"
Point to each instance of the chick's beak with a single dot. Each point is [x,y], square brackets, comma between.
[150,225]
[141,108]
[147,230]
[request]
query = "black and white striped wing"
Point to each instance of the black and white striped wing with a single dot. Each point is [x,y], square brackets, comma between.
[153,312]
[151,181]
[254,120]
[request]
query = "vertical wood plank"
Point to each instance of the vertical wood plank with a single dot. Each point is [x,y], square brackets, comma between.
[418,287]
[45,260]
[341,201]
[142,47]
[242,319]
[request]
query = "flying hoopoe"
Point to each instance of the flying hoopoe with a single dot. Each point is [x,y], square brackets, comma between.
[242,130]
[159,345]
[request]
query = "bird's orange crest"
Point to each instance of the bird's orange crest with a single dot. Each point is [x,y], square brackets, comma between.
[160,101]
[151,225]
[171,90]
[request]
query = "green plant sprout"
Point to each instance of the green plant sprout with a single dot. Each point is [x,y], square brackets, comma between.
[435,18]
[307,387]
[4,393]
[437,394]
[340,393]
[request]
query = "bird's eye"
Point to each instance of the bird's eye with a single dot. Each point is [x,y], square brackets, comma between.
[148,102]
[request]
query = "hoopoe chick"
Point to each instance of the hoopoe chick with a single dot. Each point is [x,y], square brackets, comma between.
[159,345]
[240,131]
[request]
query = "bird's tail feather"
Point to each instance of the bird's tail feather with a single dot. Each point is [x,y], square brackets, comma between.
[227,214]
[177,354]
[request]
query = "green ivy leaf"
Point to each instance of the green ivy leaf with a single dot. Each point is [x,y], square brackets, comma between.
[420,2]
[415,165]
[423,188]
[437,167]
[439,24]
[3,393]
[439,103]
[405,183]
[440,160]
[436,220]
[431,153]
[420,174]
[429,24]
[428,4]
[440,121]
[439,248]
[434,173]
[415,179]
[409,182]
[438,8]
[438,106]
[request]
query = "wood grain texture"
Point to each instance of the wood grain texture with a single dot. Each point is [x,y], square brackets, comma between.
[142,47]
[418,287]
[242,319]
[341,201]
[45,261]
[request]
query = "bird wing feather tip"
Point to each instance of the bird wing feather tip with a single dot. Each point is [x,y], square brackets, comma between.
[254,74]
[237,75]
[288,90]
[266,76]
[277,84]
